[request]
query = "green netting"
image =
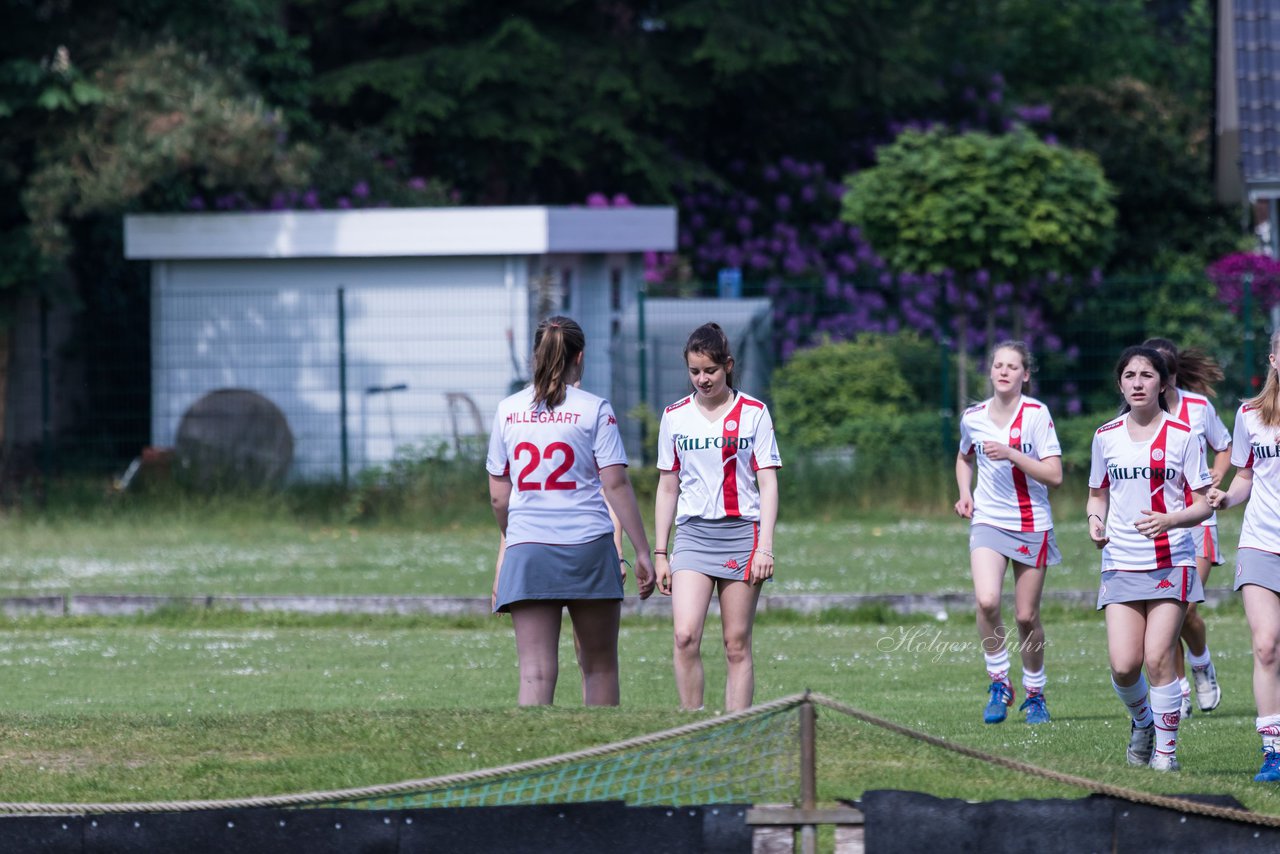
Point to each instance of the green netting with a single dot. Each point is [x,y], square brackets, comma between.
[747,760]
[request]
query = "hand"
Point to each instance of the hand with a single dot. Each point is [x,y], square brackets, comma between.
[644,575]
[997,450]
[1098,532]
[622,569]
[964,507]
[761,566]
[1217,498]
[1154,525]
[663,568]
[493,598]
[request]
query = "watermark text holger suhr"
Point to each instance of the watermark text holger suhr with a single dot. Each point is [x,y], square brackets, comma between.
[928,640]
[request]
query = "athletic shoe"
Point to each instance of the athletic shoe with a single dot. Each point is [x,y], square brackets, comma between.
[998,706]
[1165,762]
[1037,711]
[1142,743]
[1208,694]
[1186,706]
[1270,772]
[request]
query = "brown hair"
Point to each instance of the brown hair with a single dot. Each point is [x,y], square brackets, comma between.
[1267,401]
[709,340]
[1157,361]
[1194,369]
[1028,363]
[556,345]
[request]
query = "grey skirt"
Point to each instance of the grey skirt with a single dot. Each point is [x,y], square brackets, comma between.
[1254,566]
[1031,548]
[1206,537]
[720,548]
[541,571]
[1181,583]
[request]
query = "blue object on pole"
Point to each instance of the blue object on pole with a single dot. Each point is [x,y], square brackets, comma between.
[729,281]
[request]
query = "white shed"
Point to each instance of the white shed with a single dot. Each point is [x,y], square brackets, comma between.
[372,329]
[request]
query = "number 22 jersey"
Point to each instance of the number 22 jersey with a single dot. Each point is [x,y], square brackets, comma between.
[554,457]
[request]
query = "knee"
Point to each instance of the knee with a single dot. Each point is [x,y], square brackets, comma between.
[989,607]
[1266,650]
[737,648]
[1028,620]
[1192,617]
[687,642]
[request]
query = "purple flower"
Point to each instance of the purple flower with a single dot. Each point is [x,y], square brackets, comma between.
[597,200]
[344,203]
[360,189]
[744,225]
[783,203]
[311,199]
[771,174]
[417,183]
[620,200]
[196,203]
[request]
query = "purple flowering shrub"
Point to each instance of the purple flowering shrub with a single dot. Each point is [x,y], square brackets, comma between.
[1229,273]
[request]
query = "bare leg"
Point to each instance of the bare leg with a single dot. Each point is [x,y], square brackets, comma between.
[1164,621]
[1126,634]
[737,614]
[595,631]
[690,598]
[1262,608]
[1028,585]
[987,567]
[537,626]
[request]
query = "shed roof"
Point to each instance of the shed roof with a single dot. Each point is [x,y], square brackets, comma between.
[398,232]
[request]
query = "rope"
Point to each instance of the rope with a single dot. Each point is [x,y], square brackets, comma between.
[319,798]
[1120,792]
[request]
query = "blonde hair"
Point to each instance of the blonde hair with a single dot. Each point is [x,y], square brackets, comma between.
[556,345]
[1267,401]
[1028,363]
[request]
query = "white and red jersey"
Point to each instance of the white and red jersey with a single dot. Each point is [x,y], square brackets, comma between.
[554,457]
[717,460]
[1006,497]
[1154,475]
[1257,446]
[1198,411]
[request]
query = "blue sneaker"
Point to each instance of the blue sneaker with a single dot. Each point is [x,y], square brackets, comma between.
[998,707]
[1037,711]
[1270,772]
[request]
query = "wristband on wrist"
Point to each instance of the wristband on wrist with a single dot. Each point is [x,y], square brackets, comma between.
[765,552]
[1095,516]
[660,551]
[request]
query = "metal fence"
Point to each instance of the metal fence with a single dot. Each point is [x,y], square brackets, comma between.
[356,376]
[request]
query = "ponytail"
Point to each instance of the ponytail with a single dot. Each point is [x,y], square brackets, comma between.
[1196,370]
[556,345]
[1267,401]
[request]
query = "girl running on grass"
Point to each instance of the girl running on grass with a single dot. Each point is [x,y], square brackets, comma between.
[1144,465]
[1256,455]
[554,453]
[718,482]
[1018,458]
[1196,372]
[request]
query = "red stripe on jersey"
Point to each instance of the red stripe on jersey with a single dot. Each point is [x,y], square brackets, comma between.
[675,457]
[1020,477]
[1185,415]
[1164,556]
[729,454]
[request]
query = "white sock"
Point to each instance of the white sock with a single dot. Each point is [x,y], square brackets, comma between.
[1269,729]
[1198,660]
[1135,699]
[998,665]
[1033,681]
[1166,705]
[1184,685]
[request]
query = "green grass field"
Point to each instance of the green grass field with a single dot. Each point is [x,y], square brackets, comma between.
[215,704]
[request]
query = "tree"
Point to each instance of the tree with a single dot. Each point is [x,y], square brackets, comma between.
[991,209]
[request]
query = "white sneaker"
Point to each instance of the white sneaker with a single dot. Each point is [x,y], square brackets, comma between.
[1142,743]
[1186,706]
[1165,762]
[1208,694]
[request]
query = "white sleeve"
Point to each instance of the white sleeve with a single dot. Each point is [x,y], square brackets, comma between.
[766,454]
[1215,432]
[1097,464]
[666,446]
[496,460]
[1194,470]
[608,440]
[1241,447]
[1046,438]
[966,441]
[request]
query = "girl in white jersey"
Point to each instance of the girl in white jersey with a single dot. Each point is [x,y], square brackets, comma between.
[1018,458]
[554,452]
[1142,465]
[1256,455]
[718,461]
[1196,372]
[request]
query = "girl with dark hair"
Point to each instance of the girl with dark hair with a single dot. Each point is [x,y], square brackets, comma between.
[1144,465]
[1195,371]
[1018,458]
[563,448]
[1256,455]
[718,463]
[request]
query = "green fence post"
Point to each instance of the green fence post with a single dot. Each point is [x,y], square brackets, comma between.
[642,356]
[46,407]
[1246,311]
[342,384]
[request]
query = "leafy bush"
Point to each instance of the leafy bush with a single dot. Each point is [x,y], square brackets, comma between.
[1076,436]
[429,483]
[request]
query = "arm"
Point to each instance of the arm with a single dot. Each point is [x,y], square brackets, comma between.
[1193,514]
[1237,493]
[620,496]
[497,570]
[664,515]
[617,539]
[964,480]
[1048,471]
[1096,515]
[762,557]
[500,499]
[1221,462]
